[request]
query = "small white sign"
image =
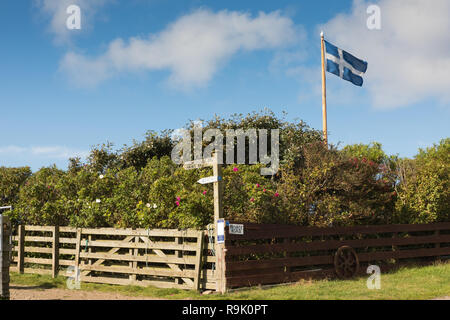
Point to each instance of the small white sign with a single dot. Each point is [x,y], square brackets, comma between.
[209,180]
[236,229]
[220,231]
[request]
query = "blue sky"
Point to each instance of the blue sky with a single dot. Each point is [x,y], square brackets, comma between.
[62,91]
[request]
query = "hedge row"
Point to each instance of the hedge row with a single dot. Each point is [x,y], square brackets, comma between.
[139,186]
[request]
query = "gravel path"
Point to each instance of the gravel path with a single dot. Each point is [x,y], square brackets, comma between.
[21,292]
[443,298]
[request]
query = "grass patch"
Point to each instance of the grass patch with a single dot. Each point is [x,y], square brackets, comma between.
[406,283]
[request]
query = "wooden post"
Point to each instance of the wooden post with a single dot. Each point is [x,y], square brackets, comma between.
[218,211]
[5,229]
[55,252]
[324,92]
[133,264]
[20,248]
[89,249]
[77,254]
[198,262]
[179,254]
[218,214]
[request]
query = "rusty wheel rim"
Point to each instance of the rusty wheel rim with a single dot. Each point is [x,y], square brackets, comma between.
[346,262]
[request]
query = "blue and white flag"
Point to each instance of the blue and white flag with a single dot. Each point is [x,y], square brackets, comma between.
[344,65]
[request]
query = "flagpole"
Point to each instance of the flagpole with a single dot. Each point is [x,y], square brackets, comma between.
[324,92]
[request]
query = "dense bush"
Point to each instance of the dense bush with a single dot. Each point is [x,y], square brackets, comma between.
[424,188]
[140,187]
[11,180]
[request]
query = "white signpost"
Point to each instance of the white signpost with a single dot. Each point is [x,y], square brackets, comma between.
[211,179]
[218,211]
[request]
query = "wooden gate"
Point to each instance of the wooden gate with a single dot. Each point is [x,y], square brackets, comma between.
[159,257]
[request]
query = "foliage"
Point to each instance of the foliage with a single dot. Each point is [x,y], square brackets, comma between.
[11,180]
[140,187]
[423,191]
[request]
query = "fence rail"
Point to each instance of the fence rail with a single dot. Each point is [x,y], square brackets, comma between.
[267,254]
[163,258]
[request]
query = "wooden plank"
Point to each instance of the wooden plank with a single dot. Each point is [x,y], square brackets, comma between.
[293,231]
[38,239]
[67,230]
[280,262]
[55,251]
[198,262]
[133,264]
[145,283]
[162,272]
[142,232]
[38,250]
[275,278]
[151,258]
[136,245]
[403,254]
[38,260]
[77,252]
[333,245]
[20,248]
[39,228]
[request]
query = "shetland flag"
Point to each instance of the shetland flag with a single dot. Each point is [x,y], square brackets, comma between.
[344,65]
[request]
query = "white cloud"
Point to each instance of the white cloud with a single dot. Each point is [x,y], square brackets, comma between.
[192,48]
[56,152]
[56,11]
[409,58]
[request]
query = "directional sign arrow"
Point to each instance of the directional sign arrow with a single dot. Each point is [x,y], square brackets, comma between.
[196,164]
[209,180]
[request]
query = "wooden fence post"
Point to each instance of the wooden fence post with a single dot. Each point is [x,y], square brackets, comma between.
[55,252]
[4,257]
[20,248]
[198,263]
[218,214]
[77,253]
[134,264]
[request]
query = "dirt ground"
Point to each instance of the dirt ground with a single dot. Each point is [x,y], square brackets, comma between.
[20,292]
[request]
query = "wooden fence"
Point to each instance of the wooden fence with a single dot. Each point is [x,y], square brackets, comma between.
[269,254]
[262,254]
[162,258]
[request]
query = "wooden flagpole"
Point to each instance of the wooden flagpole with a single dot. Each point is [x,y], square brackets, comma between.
[324,92]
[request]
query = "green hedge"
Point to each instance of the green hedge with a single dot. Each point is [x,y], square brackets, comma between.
[139,185]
